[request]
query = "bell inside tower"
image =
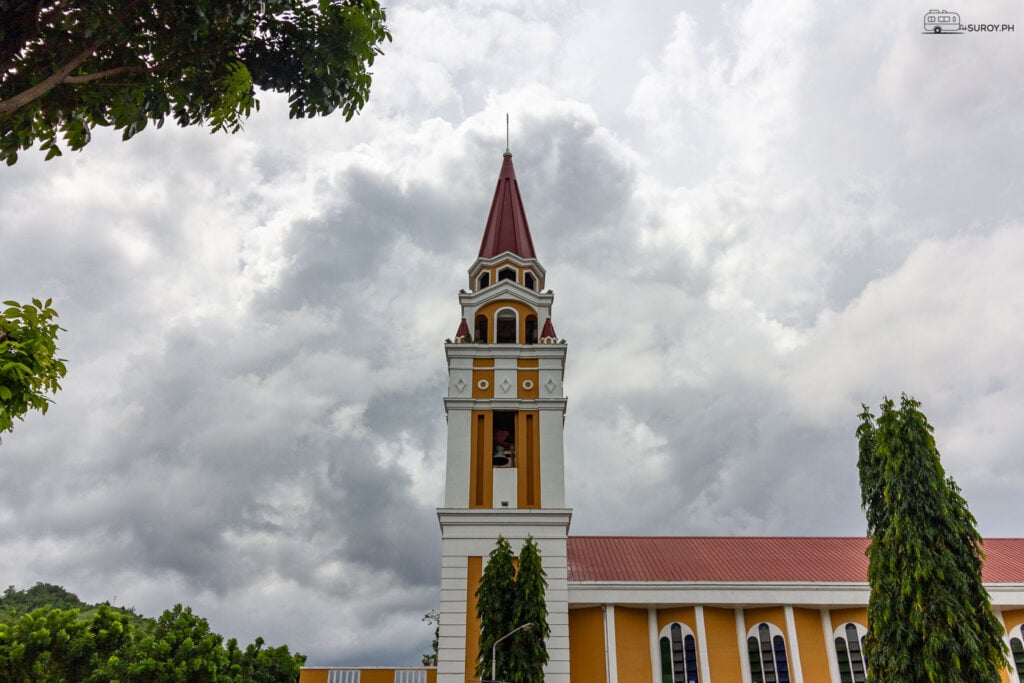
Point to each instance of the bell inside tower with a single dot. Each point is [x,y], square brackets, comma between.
[504,454]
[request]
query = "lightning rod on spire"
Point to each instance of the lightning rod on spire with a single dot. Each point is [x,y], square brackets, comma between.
[507,151]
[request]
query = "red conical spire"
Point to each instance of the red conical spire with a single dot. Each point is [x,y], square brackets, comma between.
[507,229]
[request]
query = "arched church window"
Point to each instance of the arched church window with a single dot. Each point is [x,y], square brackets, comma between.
[853,666]
[507,274]
[1017,652]
[480,329]
[531,329]
[505,326]
[767,649]
[483,281]
[678,654]
[529,281]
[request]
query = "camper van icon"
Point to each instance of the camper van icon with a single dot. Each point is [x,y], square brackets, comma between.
[941,21]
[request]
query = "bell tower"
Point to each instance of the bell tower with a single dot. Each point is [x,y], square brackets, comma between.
[505,471]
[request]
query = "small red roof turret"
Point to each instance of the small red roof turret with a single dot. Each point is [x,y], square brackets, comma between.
[507,229]
[463,330]
[549,330]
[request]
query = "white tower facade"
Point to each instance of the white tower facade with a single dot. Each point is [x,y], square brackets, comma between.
[506,409]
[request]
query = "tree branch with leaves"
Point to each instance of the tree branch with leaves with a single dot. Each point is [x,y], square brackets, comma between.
[29,366]
[66,68]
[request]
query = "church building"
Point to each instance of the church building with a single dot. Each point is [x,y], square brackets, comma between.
[621,609]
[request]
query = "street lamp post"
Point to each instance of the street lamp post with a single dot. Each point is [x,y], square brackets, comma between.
[494,650]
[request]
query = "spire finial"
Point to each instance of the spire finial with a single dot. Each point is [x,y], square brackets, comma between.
[507,151]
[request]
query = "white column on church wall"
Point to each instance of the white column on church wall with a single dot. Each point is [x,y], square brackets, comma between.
[552,459]
[741,639]
[830,645]
[456,483]
[451,653]
[652,633]
[702,644]
[611,658]
[794,646]
[553,557]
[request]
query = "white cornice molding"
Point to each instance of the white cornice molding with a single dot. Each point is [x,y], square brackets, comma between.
[474,350]
[454,403]
[503,257]
[505,290]
[724,593]
[557,517]
[748,593]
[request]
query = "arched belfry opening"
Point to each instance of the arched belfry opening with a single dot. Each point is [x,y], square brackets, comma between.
[480,329]
[531,329]
[505,326]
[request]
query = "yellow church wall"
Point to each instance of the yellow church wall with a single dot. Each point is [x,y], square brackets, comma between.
[811,641]
[528,363]
[684,615]
[528,459]
[723,651]
[1013,617]
[313,675]
[483,362]
[532,376]
[772,615]
[586,644]
[487,376]
[857,615]
[632,645]
[475,569]
[481,467]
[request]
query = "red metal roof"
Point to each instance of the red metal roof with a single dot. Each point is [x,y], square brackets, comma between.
[463,329]
[507,229]
[761,559]
[548,331]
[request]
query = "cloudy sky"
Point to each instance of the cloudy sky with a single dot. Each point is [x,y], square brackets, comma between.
[755,216]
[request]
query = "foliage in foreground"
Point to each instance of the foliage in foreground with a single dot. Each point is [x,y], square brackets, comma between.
[53,645]
[929,616]
[506,600]
[68,67]
[29,367]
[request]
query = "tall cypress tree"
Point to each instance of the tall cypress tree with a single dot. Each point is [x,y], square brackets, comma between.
[929,616]
[495,606]
[528,649]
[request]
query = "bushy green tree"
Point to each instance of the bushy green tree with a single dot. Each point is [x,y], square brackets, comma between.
[49,645]
[178,647]
[495,606]
[40,595]
[68,67]
[104,644]
[528,651]
[29,366]
[929,616]
[508,599]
